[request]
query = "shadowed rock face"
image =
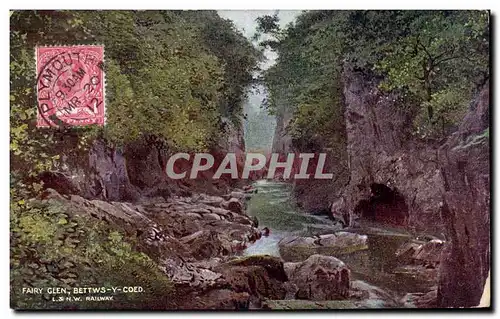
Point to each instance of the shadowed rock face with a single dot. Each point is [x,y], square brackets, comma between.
[430,186]
[100,173]
[442,187]
[466,211]
[385,205]
[393,177]
[136,170]
[240,283]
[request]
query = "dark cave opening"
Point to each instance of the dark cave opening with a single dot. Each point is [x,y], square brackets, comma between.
[385,205]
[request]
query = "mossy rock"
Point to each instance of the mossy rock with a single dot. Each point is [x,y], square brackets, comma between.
[80,251]
[261,276]
[257,260]
[273,265]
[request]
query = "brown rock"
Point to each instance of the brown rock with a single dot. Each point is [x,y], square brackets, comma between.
[207,243]
[320,278]
[260,276]
[429,253]
[180,227]
[466,258]
[394,177]
[234,205]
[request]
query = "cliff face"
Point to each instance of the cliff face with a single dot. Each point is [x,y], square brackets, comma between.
[393,177]
[442,187]
[398,179]
[136,170]
[233,141]
[317,195]
[465,166]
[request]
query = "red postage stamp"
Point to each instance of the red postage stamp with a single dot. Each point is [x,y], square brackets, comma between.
[70,85]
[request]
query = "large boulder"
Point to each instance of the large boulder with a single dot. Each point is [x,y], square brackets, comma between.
[260,276]
[297,248]
[215,284]
[133,171]
[320,278]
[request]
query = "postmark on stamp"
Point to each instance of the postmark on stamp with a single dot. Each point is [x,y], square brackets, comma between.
[70,85]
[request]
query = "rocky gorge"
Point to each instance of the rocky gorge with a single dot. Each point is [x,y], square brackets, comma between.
[391,239]
[398,101]
[399,180]
[206,245]
[199,244]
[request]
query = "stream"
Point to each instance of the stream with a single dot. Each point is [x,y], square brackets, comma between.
[274,207]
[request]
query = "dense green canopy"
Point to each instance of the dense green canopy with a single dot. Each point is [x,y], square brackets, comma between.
[172,74]
[435,60]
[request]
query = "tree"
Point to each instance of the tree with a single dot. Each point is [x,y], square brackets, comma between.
[167,77]
[438,57]
[434,60]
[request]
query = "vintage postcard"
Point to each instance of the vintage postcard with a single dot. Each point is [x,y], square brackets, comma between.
[261,160]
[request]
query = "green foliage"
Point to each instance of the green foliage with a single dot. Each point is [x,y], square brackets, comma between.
[170,74]
[53,248]
[173,75]
[434,59]
[238,56]
[310,61]
[440,58]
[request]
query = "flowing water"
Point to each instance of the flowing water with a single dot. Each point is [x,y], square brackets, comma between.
[274,207]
